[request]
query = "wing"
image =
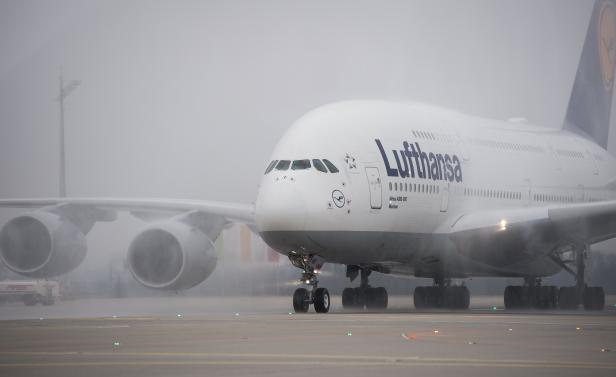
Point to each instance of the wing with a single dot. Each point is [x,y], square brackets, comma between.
[142,208]
[176,253]
[536,230]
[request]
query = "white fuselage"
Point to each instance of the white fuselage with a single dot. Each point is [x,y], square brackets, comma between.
[391,208]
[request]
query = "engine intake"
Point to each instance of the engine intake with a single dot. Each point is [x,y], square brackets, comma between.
[41,244]
[171,255]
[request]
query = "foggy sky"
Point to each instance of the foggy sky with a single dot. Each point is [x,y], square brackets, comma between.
[186,99]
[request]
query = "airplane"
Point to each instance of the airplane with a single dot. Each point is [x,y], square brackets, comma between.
[390,187]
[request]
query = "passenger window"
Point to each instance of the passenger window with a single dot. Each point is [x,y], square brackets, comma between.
[330,166]
[270,166]
[283,165]
[319,165]
[300,165]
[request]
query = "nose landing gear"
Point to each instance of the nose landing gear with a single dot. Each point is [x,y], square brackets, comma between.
[302,298]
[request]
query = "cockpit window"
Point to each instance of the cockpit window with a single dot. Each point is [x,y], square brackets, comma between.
[330,166]
[300,165]
[270,166]
[319,165]
[283,165]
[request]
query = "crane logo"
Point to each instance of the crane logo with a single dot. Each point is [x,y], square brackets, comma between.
[338,198]
[607,43]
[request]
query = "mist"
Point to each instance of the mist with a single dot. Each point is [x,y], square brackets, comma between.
[187,99]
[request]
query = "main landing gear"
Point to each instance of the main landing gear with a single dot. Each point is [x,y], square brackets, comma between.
[363,296]
[442,295]
[533,295]
[302,298]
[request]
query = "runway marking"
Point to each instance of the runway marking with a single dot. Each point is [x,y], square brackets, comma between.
[300,359]
[393,363]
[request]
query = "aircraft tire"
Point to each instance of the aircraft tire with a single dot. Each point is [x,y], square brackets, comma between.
[514,297]
[348,299]
[30,300]
[594,298]
[464,297]
[567,298]
[553,297]
[321,300]
[376,298]
[301,300]
[359,297]
[419,298]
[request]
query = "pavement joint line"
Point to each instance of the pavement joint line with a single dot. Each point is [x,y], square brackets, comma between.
[394,363]
[308,356]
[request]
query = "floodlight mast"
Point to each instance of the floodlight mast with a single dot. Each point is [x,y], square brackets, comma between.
[64,92]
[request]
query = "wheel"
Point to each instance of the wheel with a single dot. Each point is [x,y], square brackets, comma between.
[540,297]
[567,298]
[464,296]
[553,296]
[301,300]
[514,297]
[48,301]
[359,297]
[29,300]
[508,297]
[419,298]
[434,297]
[383,298]
[348,300]
[321,300]
[594,298]
[376,298]
[450,299]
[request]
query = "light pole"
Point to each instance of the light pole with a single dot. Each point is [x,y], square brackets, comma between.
[64,92]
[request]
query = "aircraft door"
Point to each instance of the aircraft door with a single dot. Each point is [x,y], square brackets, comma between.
[374,184]
[595,166]
[444,197]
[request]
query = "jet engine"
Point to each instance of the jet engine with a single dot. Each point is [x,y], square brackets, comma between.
[42,244]
[173,255]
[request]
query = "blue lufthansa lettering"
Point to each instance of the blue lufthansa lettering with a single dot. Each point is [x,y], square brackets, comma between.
[429,165]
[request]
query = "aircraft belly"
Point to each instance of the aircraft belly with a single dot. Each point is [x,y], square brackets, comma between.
[423,255]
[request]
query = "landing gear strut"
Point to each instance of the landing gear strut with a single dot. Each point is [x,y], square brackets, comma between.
[533,295]
[302,298]
[442,295]
[364,295]
[593,298]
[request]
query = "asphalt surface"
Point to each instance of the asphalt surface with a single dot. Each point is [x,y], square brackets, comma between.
[255,336]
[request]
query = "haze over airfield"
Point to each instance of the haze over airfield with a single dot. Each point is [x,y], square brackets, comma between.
[187,99]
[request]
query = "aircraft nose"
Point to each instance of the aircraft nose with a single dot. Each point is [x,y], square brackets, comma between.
[280,206]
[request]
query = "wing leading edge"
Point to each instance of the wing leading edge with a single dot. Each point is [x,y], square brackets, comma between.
[243,213]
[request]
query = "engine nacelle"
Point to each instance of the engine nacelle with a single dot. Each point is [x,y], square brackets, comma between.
[41,244]
[172,255]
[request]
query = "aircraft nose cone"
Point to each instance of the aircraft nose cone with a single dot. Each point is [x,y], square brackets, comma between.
[280,207]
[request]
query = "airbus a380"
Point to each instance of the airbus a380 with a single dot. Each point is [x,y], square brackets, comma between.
[392,187]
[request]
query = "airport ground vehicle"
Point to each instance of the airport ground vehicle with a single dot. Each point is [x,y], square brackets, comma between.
[31,292]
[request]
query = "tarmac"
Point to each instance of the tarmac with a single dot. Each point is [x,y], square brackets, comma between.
[260,336]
